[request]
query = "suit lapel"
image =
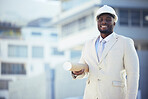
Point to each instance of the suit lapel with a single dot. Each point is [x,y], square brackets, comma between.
[108,46]
[94,53]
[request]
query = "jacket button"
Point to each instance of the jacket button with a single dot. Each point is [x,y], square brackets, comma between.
[88,81]
[100,68]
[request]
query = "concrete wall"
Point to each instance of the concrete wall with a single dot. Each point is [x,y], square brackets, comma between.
[30,88]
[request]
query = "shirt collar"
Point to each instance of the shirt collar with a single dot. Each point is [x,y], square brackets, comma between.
[107,38]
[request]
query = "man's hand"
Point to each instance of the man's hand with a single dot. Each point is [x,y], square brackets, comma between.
[78,72]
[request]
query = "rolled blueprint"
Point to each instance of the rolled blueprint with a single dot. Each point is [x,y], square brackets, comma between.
[75,66]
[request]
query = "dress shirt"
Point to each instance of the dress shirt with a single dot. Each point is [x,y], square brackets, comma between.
[98,43]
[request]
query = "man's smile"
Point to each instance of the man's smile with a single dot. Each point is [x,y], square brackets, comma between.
[103,26]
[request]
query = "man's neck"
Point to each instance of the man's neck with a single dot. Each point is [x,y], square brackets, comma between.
[104,35]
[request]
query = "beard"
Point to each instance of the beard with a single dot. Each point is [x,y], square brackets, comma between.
[106,31]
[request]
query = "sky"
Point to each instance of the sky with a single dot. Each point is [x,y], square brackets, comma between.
[23,11]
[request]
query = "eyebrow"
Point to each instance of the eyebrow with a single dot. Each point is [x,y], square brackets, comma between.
[108,17]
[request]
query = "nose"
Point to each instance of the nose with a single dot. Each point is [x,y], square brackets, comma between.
[103,22]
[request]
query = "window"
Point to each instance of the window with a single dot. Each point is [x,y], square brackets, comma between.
[4,84]
[37,52]
[13,68]
[69,28]
[76,25]
[2,98]
[31,68]
[82,23]
[36,34]
[75,54]
[17,51]
[145,18]
[47,68]
[123,16]
[1,31]
[53,35]
[90,20]
[135,17]
[57,52]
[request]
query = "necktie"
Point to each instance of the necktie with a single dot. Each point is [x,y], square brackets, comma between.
[101,48]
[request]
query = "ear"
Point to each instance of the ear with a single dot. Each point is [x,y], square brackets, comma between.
[114,23]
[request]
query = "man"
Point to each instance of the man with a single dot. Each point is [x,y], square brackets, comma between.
[112,60]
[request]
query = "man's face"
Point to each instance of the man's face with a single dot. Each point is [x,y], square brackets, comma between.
[105,23]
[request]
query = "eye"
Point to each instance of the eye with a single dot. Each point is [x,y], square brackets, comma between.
[100,20]
[108,19]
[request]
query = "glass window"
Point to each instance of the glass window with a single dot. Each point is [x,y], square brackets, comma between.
[53,34]
[123,17]
[13,68]
[2,97]
[76,25]
[82,23]
[36,34]
[64,30]
[4,84]
[90,20]
[69,28]
[55,51]
[37,52]
[145,18]
[17,51]
[47,68]
[31,67]
[135,17]
[75,54]
[1,31]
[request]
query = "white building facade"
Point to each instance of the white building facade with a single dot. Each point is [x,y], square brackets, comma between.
[28,64]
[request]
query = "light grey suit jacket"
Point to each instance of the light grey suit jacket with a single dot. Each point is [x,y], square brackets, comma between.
[116,75]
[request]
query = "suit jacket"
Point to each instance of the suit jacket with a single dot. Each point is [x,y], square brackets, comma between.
[116,75]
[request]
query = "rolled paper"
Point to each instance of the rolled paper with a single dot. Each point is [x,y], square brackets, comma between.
[75,66]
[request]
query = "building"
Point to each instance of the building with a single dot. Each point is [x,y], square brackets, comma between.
[27,63]
[76,24]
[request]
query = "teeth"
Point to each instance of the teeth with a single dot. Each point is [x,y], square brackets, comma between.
[103,26]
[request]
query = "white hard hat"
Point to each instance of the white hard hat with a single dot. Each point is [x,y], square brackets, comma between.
[107,9]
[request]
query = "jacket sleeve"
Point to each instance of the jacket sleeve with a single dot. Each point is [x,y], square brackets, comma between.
[82,61]
[131,63]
